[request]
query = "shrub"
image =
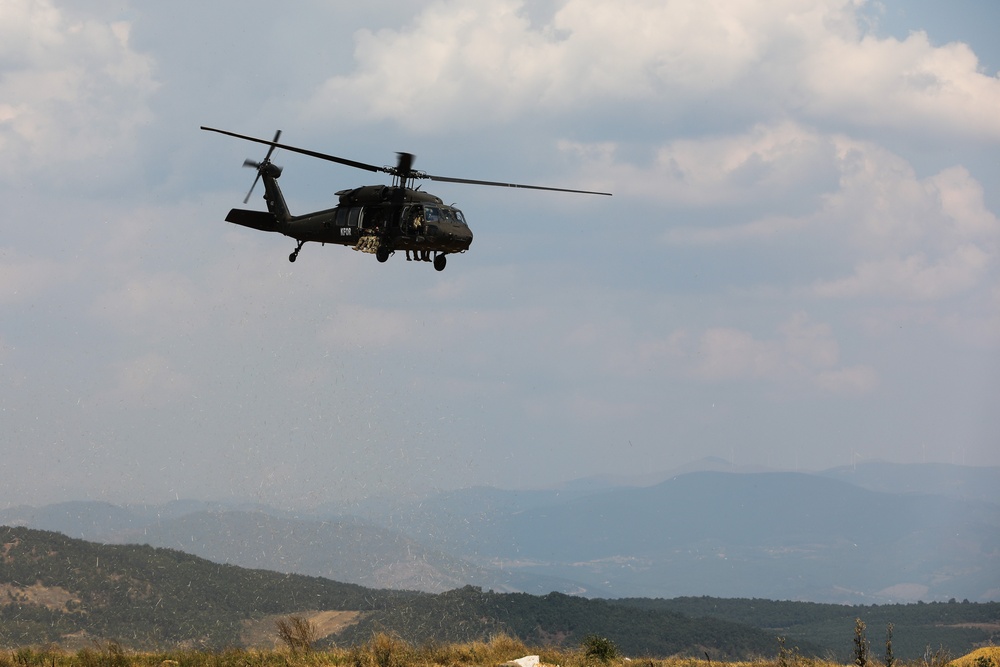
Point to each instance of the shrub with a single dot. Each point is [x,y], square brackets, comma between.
[861,644]
[382,650]
[890,658]
[599,648]
[297,633]
[786,656]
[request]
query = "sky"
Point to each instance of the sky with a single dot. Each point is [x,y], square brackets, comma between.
[798,268]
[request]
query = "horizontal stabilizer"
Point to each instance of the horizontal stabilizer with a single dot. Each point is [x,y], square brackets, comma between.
[262,220]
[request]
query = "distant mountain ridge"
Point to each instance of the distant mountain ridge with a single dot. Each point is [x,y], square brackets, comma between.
[341,550]
[862,534]
[940,479]
[338,548]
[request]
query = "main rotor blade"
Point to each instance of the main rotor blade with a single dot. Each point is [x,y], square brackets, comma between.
[401,168]
[303,151]
[469,181]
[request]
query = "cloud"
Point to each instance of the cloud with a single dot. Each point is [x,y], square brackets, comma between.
[624,353]
[961,200]
[803,350]
[913,277]
[486,63]
[589,408]
[730,354]
[854,380]
[895,84]
[359,326]
[25,278]
[71,89]
[769,163]
[908,237]
[979,323]
[145,381]
[915,239]
[483,63]
[155,304]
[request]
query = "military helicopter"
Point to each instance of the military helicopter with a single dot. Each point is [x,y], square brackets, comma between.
[377,219]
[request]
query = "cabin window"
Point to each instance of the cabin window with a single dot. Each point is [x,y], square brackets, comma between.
[354,216]
[342,216]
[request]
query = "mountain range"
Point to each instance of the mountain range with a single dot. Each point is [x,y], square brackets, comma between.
[865,534]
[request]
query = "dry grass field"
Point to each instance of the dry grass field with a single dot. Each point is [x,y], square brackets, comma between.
[384,650]
[988,656]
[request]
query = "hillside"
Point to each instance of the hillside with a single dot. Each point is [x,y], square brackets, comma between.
[54,589]
[958,626]
[775,535]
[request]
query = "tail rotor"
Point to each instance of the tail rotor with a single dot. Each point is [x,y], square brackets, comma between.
[261,166]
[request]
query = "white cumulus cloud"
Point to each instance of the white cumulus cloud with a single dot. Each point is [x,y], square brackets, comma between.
[70,89]
[802,350]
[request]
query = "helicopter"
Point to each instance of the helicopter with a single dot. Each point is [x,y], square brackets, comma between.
[376,219]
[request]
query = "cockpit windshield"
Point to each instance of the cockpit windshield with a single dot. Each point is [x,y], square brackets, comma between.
[453,215]
[433,214]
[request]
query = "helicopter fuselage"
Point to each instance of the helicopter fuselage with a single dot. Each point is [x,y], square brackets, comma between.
[378,219]
[421,222]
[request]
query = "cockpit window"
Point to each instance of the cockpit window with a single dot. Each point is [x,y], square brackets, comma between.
[452,215]
[432,214]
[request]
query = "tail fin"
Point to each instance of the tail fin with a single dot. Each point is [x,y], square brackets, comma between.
[269,172]
[272,193]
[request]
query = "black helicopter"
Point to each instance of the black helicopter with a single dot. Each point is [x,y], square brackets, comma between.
[378,219]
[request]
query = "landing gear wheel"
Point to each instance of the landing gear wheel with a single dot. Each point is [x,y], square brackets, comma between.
[295,253]
[440,261]
[382,254]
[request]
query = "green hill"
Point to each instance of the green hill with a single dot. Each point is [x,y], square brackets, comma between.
[470,613]
[53,587]
[958,627]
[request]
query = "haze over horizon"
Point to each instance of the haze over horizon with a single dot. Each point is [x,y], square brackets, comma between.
[798,268]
